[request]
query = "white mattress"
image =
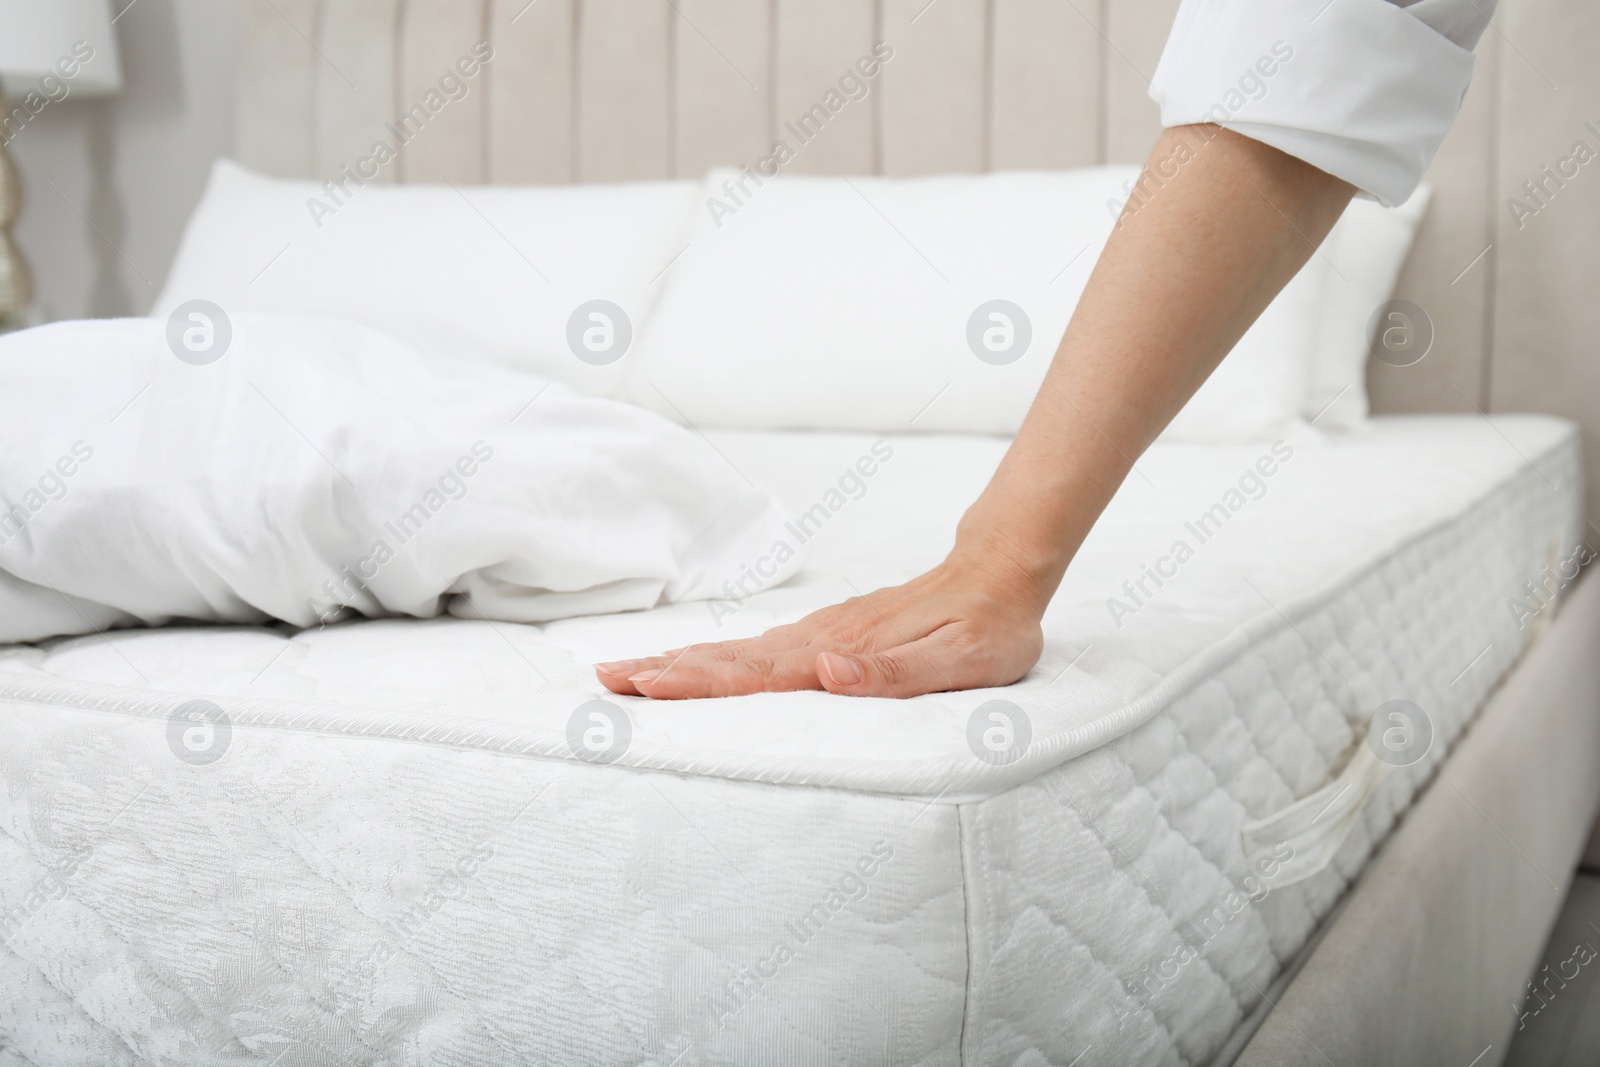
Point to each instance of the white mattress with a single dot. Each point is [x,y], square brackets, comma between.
[397,857]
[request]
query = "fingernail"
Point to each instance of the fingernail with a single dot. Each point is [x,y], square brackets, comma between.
[841,670]
[645,676]
[621,666]
[676,651]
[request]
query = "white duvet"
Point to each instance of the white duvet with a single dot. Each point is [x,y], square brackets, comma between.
[303,469]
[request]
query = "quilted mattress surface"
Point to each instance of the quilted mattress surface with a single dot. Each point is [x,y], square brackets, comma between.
[407,841]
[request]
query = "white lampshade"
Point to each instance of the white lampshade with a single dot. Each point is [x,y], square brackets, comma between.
[36,35]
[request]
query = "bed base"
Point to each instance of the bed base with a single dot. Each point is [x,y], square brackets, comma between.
[1429,957]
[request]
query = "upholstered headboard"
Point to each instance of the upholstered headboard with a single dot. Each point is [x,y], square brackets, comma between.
[605,90]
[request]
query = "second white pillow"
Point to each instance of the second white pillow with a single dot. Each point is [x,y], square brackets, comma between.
[917,304]
[1366,250]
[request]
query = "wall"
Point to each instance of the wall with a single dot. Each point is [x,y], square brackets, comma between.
[127,171]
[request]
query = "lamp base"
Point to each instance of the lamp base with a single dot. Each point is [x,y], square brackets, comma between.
[25,319]
[16,283]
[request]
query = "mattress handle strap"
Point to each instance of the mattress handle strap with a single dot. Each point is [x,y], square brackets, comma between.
[1299,841]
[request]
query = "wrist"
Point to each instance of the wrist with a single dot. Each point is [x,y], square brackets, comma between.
[1016,571]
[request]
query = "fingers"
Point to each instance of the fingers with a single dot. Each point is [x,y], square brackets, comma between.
[941,661]
[614,676]
[733,670]
[617,676]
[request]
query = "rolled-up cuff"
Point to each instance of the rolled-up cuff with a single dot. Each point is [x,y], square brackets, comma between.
[1357,88]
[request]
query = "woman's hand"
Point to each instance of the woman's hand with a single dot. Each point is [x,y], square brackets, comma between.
[962,625]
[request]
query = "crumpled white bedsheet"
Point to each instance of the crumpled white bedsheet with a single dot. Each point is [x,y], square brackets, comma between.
[303,469]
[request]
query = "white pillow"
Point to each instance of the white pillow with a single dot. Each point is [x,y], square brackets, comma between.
[855,304]
[1368,246]
[441,266]
[301,468]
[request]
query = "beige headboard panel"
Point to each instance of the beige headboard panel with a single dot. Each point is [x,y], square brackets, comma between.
[606,90]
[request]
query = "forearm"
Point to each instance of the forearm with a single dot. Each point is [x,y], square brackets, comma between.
[1183,276]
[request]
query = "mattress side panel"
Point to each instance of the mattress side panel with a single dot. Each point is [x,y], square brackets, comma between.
[313,899]
[1114,916]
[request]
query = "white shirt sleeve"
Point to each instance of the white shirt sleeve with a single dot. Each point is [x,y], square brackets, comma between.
[1363,89]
